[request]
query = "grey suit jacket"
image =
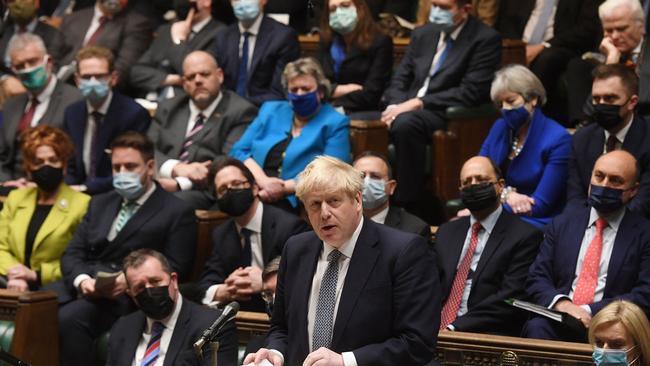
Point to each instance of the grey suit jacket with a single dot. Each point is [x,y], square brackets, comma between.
[127,35]
[12,111]
[51,36]
[223,128]
[164,57]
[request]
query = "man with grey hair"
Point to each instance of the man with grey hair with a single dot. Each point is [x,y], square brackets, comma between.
[44,102]
[371,292]
[194,130]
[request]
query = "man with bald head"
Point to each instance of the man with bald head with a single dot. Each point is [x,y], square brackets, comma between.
[593,255]
[194,130]
[484,258]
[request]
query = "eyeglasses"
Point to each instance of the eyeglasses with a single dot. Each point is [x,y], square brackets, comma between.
[473,183]
[236,184]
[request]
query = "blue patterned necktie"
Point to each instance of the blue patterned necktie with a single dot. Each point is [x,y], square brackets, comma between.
[323,324]
[449,43]
[242,78]
[153,347]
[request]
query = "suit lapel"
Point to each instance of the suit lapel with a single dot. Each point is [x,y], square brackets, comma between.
[428,58]
[57,216]
[458,47]
[495,239]
[594,151]
[132,339]
[268,228]
[456,249]
[306,266]
[567,252]
[178,336]
[12,119]
[23,215]
[55,103]
[149,209]
[179,130]
[362,263]
[634,138]
[261,43]
[393,217]
[624,240]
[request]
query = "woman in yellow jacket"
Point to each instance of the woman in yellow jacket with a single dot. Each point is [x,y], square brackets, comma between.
[38,220]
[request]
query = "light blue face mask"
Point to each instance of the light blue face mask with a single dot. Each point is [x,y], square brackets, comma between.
[128,185]
[611,357]
[246,10]
[441,18]
[374,193]
[94,90]
[343,20]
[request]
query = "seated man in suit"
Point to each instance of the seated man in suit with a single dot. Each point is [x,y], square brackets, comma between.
[138,214]
[192,131]
[484,258]
[108,24]
[44,102]
[616,126]
[378,187]
[623,40]
[167,325]
[244,244]
[253,52]
[351,292]
[456,71]
[94,122]
[593,255]
[158,72]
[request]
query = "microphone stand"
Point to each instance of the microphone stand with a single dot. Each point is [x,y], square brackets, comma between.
[214,344]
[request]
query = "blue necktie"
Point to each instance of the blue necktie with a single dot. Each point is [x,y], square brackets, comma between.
[242,78]
[449,43]
[153,347]
[337,51]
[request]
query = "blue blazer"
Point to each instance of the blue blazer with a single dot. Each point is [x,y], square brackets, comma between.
[540,170]
[123,114]
[325,134]
[628,274]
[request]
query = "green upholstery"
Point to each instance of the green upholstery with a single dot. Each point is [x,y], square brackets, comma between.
[101,349]
[460,112]
[6,334]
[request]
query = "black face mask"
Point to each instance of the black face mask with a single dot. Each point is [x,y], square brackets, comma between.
[606,199]
[155,302]
[478,197]
[47,177]
[236,201]
[606,115]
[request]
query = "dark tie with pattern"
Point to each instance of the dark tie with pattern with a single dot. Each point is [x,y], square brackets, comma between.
[324,319]
[242,78]
[246,258]
[94,146]
[189,138]
[153,347]
[611,143]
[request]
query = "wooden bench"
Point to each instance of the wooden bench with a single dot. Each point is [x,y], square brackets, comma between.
[206,222]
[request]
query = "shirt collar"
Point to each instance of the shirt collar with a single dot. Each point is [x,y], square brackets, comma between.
[613,220]
[194,110]
[29,27]
[254,29]
[49,89]
[348,247]
[380,217]
[170,321]
[489,222]
[255,223]
[634,55]
[102,108]
[620,135]
[454,34]
[142,199]
[196,28]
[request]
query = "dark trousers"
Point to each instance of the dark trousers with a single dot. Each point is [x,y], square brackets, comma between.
[543,328]
[410,133]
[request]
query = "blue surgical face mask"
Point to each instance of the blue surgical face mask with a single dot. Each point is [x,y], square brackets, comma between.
[611,357]
[605,199]
[304,105]
[441,18]
[35,78]
[343,20]
[515,117]
[128,185]
[94,90]
[374,193]
[246,10]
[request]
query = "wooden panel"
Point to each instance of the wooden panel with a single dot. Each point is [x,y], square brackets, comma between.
[368,136]
[35,317]
[250,324]
[309,47]
[206,222]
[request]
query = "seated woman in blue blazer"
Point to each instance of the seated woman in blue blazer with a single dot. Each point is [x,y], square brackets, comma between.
[356,56]
[287,135]
[531,150]
[36,223]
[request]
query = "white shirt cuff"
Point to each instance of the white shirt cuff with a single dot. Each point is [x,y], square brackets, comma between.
[556,299]
[185,183]
[167,167]
[349,359]
[587,308]
[208,299]
[79,279]
[451,327]
[275,351]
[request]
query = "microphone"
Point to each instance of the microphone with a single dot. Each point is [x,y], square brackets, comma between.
[228,314]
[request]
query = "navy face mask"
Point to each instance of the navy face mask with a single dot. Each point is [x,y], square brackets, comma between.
[606,199]
[516,117]
[304,105]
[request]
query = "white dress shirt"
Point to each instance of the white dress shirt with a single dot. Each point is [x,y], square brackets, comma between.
[165,338]
[380,217]
[168,166]
[255,226]
[609,236]
[90,131]
[620,135]
[534,18]
[112,233]
[43,101]
[254,30]
[439,49]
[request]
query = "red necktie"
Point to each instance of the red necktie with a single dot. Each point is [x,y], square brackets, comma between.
[450,310]
[26,120]
[97,32]
[588,277]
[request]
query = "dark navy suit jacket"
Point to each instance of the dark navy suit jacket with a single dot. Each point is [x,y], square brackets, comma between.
[588,145]
[389,310]
[123,114]
[275,46]
[628,274]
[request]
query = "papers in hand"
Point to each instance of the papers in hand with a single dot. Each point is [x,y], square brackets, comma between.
[571,322]
[105,280]
[263,363]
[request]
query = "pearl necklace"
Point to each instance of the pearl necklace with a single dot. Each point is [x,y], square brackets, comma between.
[515,146]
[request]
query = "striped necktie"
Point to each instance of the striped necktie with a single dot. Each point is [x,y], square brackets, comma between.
[153,347]
[126,212]
[189,138]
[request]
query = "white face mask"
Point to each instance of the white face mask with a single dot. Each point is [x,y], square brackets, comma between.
[374,193]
